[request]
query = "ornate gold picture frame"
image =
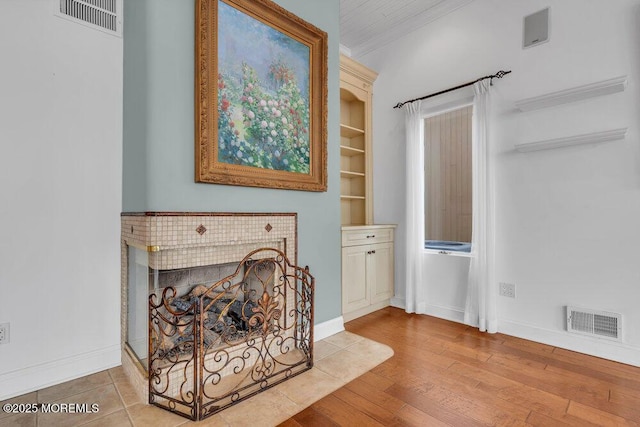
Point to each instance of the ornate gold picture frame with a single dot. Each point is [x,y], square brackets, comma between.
[260,97]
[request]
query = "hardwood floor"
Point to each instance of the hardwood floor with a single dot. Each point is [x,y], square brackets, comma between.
[445,373]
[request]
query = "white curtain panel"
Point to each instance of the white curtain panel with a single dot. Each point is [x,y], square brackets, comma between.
[415,289]
[480,308]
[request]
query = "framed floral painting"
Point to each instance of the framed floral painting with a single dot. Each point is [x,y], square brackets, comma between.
[260,97]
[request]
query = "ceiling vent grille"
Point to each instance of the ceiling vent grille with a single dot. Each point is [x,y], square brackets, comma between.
[594,323]
[105,15]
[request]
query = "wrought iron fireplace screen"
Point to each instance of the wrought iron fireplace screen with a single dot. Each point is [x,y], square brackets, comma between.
[218,345]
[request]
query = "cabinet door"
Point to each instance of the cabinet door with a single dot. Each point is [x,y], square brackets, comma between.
[380,271]
[354,284]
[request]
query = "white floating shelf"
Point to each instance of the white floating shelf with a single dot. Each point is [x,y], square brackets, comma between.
[578,93]
[589,138]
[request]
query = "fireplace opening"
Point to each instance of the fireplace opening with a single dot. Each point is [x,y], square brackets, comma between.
[225,315]
[211,346]
[228,308]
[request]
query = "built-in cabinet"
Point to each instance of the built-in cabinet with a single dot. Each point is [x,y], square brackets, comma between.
[367,269]
[367,249]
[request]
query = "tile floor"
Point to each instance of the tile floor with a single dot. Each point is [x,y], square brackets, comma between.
[338,360]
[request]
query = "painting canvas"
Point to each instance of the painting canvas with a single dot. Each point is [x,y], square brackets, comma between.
[270,120]
[263,95]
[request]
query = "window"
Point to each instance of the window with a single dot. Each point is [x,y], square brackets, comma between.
[448,180]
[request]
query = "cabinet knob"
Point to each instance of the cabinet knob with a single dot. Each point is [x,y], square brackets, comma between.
[373,252]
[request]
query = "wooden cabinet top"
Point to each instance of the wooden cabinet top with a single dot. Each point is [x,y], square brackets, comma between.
[354,68]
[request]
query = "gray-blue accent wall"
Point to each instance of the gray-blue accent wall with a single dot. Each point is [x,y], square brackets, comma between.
[158,137]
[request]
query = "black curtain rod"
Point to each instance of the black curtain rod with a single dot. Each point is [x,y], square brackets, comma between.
[500,74]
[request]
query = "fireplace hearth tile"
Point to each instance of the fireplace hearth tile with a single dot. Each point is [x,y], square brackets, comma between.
[272,406]
[348,366]
[322,349]
[117,374]
[129,395]
[149,415]
[343,339]
[370,349]
[309,387]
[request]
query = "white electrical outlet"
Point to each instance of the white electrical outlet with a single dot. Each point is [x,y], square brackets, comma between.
[508,290]
[4,333]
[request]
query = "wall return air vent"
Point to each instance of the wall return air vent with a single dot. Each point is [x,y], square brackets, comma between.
[594,323]
[104,15]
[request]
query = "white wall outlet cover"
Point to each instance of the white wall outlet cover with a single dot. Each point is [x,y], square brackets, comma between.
[4,333]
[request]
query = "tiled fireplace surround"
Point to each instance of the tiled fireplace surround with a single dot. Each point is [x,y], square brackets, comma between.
[184,240]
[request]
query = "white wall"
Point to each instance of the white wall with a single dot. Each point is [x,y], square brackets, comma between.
[567,219]
[446,288]
[60,186]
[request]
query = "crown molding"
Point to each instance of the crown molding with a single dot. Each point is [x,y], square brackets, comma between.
[589,138]
[345,50]
[578,93]
[362,72]
[420,20]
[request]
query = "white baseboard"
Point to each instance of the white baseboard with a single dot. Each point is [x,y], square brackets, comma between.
[397,302]
[444,312]
[26,380]
[348,317]
[598,347]
[448,313]
[328,328]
